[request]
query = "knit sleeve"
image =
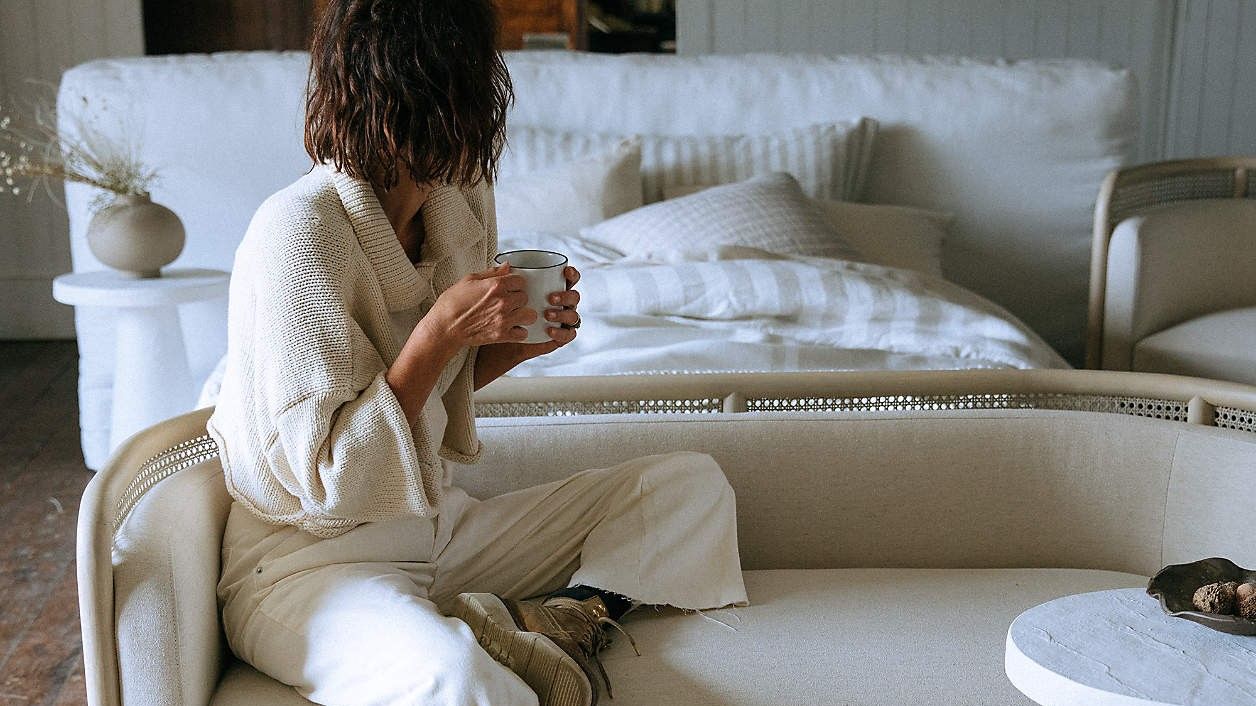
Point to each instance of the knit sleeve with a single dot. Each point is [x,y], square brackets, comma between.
[490,224]
[349,456]
[342,444]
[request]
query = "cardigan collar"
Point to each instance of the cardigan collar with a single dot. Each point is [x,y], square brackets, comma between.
[448,222]
[450,226]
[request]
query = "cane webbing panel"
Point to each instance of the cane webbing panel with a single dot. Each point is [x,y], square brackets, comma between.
[1234,418]
[1130,199]
[156,469]
[566,409]
[1142,407]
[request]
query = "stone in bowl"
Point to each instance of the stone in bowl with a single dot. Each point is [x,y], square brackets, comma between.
[1175,586]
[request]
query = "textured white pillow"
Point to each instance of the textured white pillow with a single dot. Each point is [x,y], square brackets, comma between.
[564,198]
[894,236]
[768,213]
[829,161]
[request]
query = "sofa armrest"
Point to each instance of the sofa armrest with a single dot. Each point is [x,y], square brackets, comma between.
[149,540]
[1172,264]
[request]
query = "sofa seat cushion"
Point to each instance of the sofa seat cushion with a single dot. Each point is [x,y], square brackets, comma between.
[850,636]
[242,685]
[1221,346]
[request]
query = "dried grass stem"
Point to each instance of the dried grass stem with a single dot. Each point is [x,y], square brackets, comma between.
[33,147]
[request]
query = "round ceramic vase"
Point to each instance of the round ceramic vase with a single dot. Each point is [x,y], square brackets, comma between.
[135,236]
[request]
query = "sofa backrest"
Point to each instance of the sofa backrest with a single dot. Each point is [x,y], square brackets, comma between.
[971,489]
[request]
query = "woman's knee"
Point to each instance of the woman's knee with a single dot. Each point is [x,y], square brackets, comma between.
[698,473]
[465,675]
[447,667]
[358,634]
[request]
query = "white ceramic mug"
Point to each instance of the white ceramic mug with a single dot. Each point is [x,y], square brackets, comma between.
[542,270]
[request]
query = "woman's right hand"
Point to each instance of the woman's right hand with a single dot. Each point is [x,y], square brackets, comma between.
[483,308]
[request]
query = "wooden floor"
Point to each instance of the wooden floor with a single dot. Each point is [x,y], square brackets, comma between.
[41,478]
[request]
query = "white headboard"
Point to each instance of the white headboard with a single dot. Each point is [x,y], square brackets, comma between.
[1015,149]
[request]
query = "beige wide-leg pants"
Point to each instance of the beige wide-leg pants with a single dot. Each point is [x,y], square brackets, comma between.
[357,620]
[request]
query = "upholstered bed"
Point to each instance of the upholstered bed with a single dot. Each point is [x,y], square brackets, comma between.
[891,525]
[1013,151]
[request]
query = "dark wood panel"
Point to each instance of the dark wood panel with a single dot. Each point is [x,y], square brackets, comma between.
[192,26]
[520,17]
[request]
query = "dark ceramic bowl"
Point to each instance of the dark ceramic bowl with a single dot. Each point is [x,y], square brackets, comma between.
[1175,586]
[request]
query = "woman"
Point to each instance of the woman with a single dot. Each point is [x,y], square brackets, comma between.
[362,317]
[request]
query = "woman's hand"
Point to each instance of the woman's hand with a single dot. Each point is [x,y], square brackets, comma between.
[478,310]
[495,361]
[482,309]
[564,315]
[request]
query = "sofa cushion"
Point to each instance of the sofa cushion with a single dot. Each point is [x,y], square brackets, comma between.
[1221,346]
[852,636]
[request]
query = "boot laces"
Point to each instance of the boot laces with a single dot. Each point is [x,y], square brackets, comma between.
[592,636]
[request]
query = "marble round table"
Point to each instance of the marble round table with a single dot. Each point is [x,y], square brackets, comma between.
[1118,648]
[151,381]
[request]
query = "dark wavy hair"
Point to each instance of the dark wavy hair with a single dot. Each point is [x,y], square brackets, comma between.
[417,84]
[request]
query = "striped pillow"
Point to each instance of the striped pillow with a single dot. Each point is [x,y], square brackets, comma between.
[766,214]
[829,161]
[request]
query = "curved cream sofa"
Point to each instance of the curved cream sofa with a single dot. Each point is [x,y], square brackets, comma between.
[891,527]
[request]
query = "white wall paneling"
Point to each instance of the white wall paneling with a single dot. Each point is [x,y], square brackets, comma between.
[1194,59]
[1212,109]
[38,40]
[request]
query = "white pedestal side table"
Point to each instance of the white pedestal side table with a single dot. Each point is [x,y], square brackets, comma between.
[150,370]
[1118,648]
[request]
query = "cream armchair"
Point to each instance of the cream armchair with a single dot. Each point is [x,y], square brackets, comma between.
[1173,270]
[875,511]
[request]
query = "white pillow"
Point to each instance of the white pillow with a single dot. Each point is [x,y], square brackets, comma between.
[581,252]
[829,161]
[564,198]
[894,236]
[768,213]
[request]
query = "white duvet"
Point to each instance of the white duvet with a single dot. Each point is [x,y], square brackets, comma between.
[784,315]
[779,315]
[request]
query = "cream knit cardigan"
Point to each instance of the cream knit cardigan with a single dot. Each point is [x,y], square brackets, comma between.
[309,432]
